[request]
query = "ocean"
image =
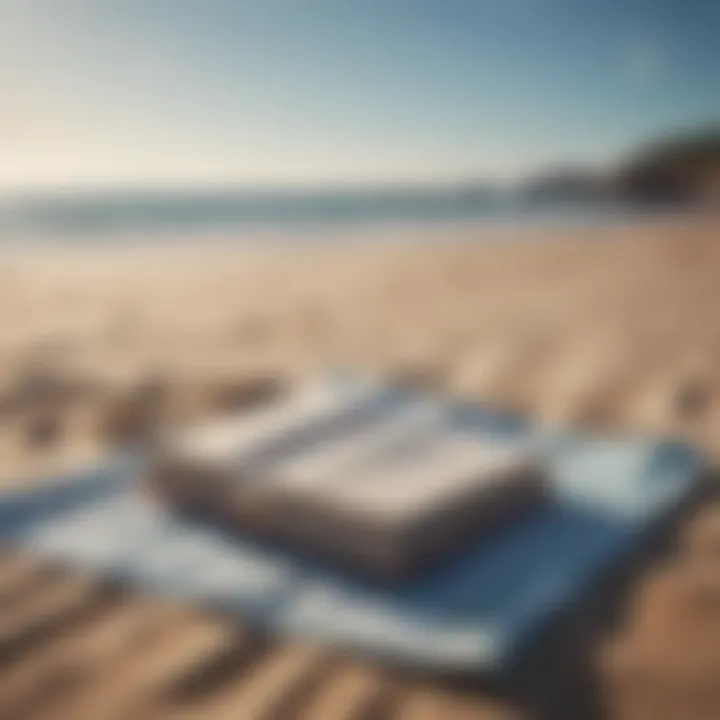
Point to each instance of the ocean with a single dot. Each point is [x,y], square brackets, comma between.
[156,216]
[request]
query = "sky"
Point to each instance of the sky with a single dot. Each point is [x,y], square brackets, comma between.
[283,92]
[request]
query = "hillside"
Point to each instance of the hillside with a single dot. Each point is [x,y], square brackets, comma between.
[681,168]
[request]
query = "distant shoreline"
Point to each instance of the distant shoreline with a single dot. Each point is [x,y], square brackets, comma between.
[86,224]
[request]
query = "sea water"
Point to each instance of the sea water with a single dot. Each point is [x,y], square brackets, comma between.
[154,216]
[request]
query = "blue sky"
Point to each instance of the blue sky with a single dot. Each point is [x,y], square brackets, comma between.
[194,92]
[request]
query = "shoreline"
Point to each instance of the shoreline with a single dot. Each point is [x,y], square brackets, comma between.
[484,228]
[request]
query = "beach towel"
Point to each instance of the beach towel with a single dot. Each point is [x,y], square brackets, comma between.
[476,612]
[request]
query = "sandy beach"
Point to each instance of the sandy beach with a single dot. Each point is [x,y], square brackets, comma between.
[513,205]
[611,328]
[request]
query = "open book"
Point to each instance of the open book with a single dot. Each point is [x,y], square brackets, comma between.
[373,478]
